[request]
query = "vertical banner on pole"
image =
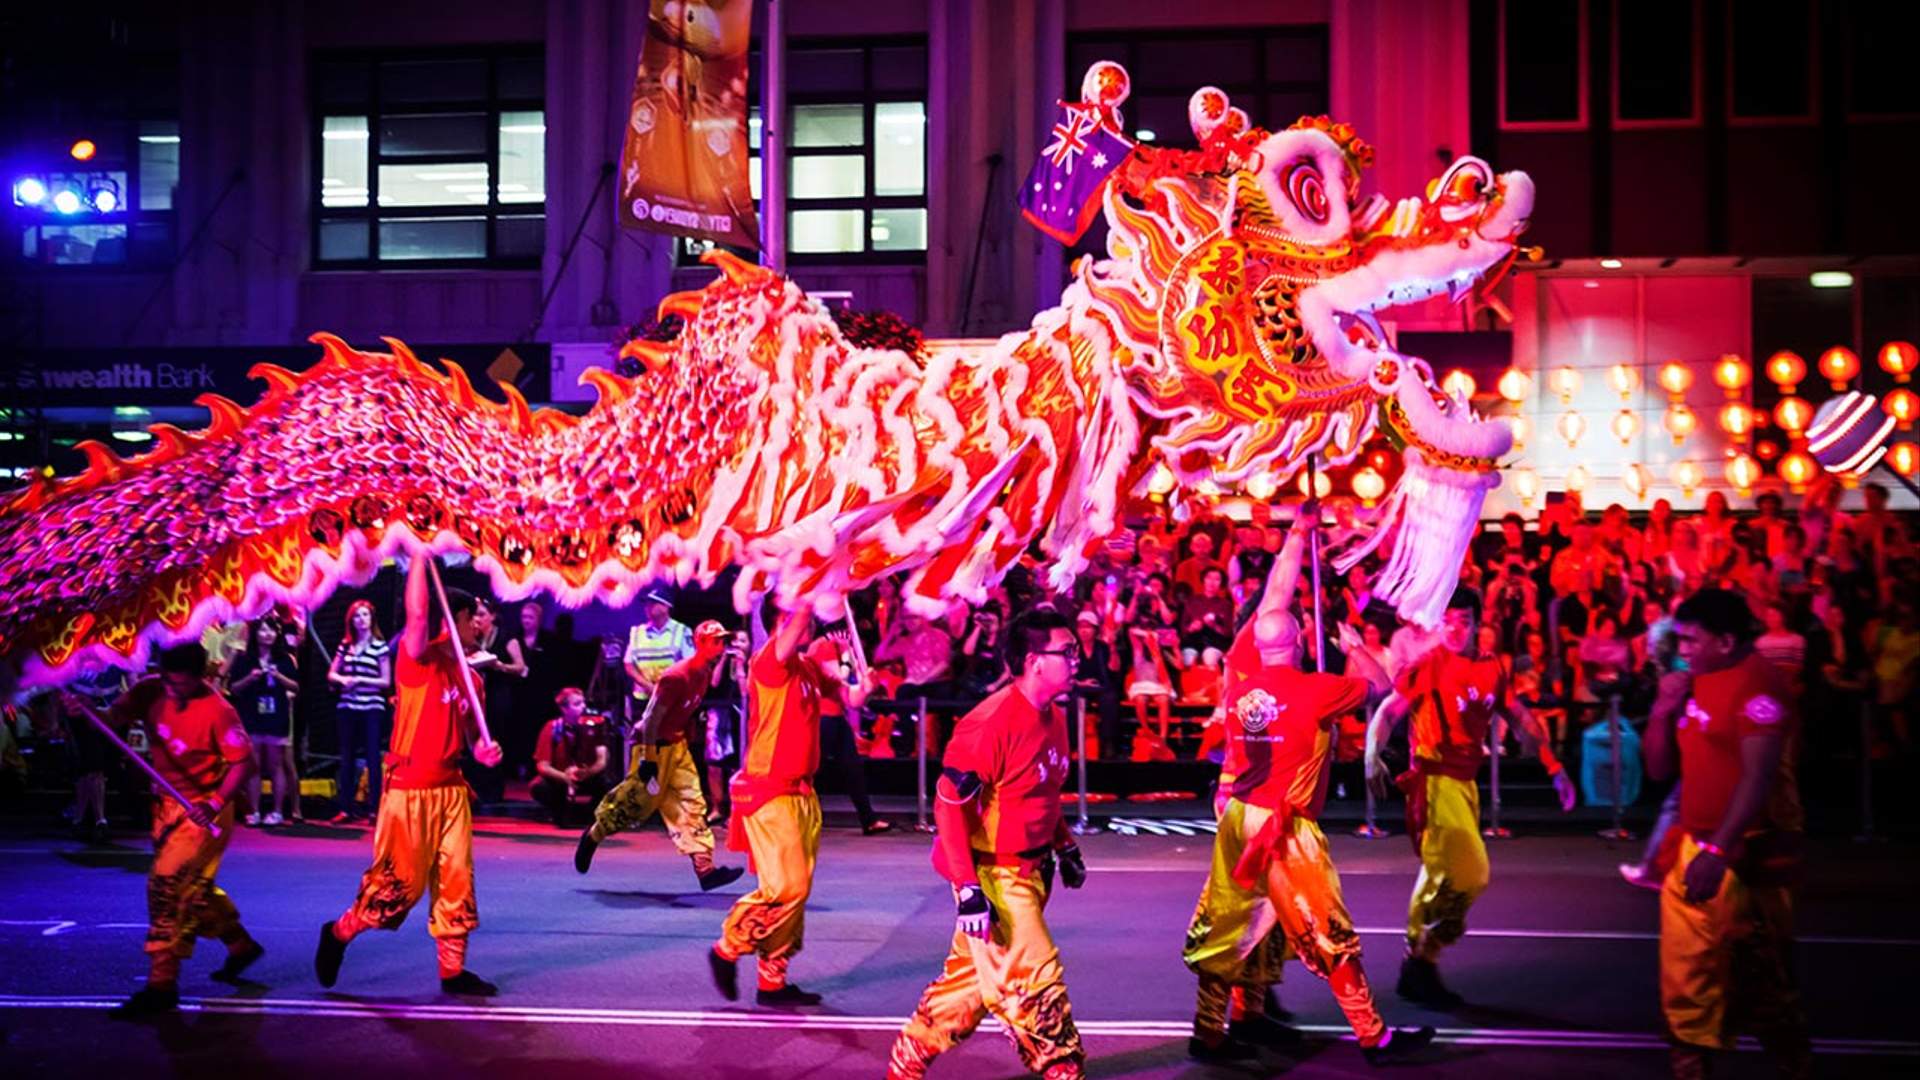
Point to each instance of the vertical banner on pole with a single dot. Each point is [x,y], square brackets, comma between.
[683,164]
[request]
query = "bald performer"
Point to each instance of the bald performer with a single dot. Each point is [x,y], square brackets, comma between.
[1271,868]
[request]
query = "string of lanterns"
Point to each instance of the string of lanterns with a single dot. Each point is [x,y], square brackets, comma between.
[1738,418]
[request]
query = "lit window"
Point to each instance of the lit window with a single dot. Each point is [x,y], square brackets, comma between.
[430,160]
[857,153]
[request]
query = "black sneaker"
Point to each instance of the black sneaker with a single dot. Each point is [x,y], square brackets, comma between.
[1400,1044]
[1265,1031]
[1420,983]
[327,956]
[469,984]
[1227,1051]
[876,827]
[726,975]
[148,1001]
[583,851]
[720,875]
[101,833]
[239,960]
[788,996]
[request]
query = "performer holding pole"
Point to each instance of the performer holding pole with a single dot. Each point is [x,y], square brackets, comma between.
[1001,834]
[1273,886]
[1452,694]
[665,777]
[423,834]
[201,761]
[776,816]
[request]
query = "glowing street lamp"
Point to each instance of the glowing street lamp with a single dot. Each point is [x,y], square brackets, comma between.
[1904,458]
[1737,421]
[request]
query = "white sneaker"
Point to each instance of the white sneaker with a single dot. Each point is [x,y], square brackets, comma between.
[1636,874]
[253,819]
[271,819]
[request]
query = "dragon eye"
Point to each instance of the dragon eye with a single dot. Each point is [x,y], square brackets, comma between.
[1307,191]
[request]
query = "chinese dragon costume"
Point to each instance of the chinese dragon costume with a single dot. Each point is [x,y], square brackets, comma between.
[1230,332]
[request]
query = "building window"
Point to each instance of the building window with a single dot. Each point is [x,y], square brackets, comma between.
[1879,44]
[1277,74]
[856,152]
[429,161]
[1770,50]
[1543,65]
[1656,63]
[113,209]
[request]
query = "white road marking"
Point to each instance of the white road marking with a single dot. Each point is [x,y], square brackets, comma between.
[1142,1029]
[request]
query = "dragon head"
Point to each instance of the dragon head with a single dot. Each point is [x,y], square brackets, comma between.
[1244,287]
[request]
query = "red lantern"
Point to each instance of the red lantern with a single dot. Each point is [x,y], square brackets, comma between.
[1898,359]
[1786,369]
[1732,374]
[1903,405]
[1904,458]
[1798,469]
[1839,365]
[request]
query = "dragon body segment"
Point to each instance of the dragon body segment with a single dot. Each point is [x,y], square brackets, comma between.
[1229,333]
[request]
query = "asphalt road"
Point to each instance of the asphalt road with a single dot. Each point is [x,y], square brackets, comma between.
[604,975]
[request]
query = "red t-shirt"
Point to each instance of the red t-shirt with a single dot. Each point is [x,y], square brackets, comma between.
[1452,700]
[1728,706]
[1279,729]
[560,747]
[676,697]
[783,729]
[431,717]
[1017,757]
[193,745]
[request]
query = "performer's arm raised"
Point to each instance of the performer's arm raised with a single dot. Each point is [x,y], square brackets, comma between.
[413,637]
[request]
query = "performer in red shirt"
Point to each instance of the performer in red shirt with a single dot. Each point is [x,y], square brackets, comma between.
[1726,908]
[200,748]
[1271,868]
[423,834]
[776,816]
[1000,835]
[1452,694]
[665,776]
[570,756]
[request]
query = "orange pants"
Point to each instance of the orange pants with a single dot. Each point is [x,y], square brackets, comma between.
[1232,943]
[783,837]
[1016,975]
[422,843]
[183,903]
[1727,963]
[1453,866]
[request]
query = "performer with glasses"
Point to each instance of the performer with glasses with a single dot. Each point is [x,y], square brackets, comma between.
[1000,837]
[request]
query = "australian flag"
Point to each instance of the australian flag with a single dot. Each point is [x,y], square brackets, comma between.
[1061,193]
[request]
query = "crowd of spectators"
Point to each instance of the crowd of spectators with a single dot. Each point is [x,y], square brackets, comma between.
[1576,603]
